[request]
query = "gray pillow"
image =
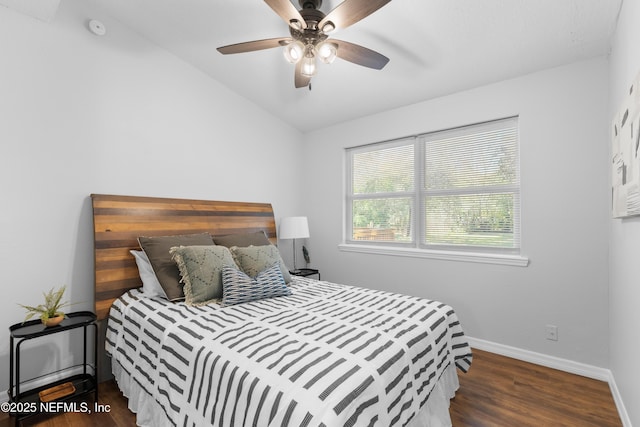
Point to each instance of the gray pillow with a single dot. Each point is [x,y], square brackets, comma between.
[157,250]
[240,288]
[201,270]
[254,259]
[258,238]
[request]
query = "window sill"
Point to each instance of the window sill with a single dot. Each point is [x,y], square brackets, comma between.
[486,258]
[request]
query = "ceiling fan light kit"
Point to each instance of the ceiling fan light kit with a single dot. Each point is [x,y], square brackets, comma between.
[309,28]
[309,66]
[327,51]
[294,51]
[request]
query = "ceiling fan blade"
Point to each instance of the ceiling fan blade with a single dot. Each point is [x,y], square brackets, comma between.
[300,79]
[360,55]
[287,11]
[254,45]
[351,11]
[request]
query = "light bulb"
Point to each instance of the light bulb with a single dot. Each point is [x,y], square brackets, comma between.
[308,65]
[327,52]
[294,51]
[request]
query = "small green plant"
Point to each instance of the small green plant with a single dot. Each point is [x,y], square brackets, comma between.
[52,306]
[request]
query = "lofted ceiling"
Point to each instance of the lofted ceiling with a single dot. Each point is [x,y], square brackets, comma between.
[436,47]
[44,10]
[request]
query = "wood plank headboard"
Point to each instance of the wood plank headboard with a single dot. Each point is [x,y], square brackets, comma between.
[118,221]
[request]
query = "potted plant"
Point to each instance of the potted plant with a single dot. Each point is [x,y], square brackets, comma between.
[50,312]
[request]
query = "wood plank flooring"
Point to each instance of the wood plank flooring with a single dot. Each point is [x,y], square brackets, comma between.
[497,391]
[500,391]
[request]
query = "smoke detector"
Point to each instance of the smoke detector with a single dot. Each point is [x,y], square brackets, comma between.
[97,27]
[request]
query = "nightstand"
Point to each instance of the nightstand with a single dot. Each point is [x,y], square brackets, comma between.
[305,272]
[23,404]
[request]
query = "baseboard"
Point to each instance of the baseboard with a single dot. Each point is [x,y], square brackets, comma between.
[565,365]
[622,410]
[553,362]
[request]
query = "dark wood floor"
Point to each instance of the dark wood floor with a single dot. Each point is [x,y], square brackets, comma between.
[500,391]
[497,391]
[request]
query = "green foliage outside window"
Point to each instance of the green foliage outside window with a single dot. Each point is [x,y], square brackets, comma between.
[467,189]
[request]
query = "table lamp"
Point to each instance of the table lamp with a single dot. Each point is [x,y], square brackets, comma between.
[294,227]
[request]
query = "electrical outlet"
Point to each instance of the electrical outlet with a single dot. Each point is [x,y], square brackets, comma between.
[552,332]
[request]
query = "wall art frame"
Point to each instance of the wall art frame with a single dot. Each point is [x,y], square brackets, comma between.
[625,160]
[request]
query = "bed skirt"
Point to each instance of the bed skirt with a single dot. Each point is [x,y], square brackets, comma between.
[149,413]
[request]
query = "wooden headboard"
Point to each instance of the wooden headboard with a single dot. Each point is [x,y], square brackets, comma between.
[118,221]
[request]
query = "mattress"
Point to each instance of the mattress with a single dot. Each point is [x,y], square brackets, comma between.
[327,355]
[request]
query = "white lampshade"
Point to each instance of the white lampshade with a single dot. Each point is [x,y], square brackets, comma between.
[293,52]
[327,52]
[294,227]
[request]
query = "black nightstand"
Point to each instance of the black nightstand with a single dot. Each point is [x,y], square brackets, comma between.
[305,272]
[26,403]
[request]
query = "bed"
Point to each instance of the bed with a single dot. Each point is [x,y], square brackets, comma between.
[322,354]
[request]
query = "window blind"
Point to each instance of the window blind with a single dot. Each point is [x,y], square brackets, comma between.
[457,189]
[471,191]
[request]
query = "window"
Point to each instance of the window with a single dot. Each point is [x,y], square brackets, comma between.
[455,190]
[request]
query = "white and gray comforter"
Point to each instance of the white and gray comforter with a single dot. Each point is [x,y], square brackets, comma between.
[328,355]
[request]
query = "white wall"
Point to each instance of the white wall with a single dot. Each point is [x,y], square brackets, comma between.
[624,276]
[565,196]
[81,114]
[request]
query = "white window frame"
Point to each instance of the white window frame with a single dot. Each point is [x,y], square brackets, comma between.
[416,248]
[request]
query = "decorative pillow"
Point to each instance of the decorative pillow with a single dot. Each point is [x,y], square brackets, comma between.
[259,238]
[254,259]
[150,285]
[239,287]
[157,250]
[201,270]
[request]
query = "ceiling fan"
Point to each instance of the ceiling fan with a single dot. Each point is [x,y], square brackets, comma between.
[309,40]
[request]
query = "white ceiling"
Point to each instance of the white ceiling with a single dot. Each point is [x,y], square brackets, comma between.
[44,10]
[436,47]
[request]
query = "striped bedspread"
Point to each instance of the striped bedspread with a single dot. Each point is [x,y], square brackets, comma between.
[328,355]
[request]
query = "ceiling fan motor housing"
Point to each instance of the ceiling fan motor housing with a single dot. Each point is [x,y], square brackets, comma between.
[310,4]
[312,16]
